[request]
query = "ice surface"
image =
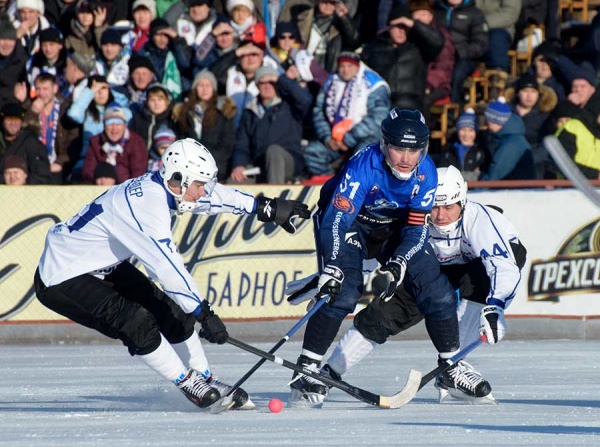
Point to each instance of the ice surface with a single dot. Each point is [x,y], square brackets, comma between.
[97,395]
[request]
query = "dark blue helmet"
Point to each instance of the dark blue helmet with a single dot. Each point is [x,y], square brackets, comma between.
[405,128]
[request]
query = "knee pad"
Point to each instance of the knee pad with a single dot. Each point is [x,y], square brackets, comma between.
[369,325]
[140,332]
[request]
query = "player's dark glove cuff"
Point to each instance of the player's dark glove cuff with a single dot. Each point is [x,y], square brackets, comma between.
[281,211]
[213,329]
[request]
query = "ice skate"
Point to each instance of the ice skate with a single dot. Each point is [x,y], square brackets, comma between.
[196,388]
[306,391]
[239,400]
[462,382]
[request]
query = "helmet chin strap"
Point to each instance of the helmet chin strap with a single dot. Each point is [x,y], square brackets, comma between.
[447,229]
[400,175]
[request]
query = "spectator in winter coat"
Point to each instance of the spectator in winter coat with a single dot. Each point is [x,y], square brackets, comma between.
[155,113]
[170,57]
[209,118]
[52,58]
[141,75]
[238,80]
[12,61]
[469,32]
[245,24]
[196,24]
[30,23]
[143,12]
[88,111]
[14,170]
[116,145]
[347,114]
[112,61]
[86,29]
[399,62]
[271,129]
[47,117]
[463,151]
[18,140]
[326,30]
[219,43]
[512,158]
[534,103]
[544,67]
[162,140]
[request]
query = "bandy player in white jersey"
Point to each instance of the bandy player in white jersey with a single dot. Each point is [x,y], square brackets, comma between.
[85,274]
[480,253]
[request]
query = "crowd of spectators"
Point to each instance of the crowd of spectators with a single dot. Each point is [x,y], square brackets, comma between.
[93,91]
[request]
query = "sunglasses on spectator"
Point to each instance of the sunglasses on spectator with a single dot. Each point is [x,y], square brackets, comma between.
[286,36]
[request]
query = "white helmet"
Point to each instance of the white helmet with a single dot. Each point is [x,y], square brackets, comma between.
[451,189]
[184,162]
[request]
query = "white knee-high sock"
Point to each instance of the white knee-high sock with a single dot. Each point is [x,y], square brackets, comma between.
[164,361]
[351,349]
[468,321]
[192,354]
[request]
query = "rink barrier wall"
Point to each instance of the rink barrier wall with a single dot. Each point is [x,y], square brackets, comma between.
[241,265]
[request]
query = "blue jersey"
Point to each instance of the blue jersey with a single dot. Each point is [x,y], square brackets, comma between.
[366,193]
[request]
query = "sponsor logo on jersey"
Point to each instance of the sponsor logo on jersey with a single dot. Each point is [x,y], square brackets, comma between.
[343,204]
[382,204]
[574,271]
[351,240]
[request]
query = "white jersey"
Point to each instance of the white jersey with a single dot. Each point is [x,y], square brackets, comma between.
[486,234]
[132,219]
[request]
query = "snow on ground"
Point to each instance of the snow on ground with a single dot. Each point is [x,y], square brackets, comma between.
[97,395]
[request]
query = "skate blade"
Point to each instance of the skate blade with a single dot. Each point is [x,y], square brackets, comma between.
[298,399]
[485,400]
[443,395]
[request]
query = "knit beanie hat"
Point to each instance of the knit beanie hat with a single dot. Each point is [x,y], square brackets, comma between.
[105,170]
[14,161]
[586,71]
[498,112]
[467,119]
[348,56]
[7,30]
[114,114]
[419,5]
[233,3]
[150,5]
[163,135]
[157,25]
[205,74]
[51,34]
[137,61]
[110,35]
[527,80]
[199,3]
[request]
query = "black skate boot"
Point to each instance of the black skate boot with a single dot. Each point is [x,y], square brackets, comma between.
[239,400]
[196,388]
[306,391]
[461,381]
[327,371]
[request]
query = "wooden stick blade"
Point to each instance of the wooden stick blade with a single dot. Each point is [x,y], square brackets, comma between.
[406,394]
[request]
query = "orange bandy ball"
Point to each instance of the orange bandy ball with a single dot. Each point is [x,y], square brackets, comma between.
[275,405]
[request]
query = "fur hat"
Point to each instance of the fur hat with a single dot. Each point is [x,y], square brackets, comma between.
[114,113]
[233,3]
[498,112]
[150,5]
[38,5]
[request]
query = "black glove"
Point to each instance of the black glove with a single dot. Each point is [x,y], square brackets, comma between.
[330,283]
[281,211]
[213,328]
[394,272]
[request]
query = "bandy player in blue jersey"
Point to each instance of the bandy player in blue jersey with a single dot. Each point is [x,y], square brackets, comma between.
[377,207]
